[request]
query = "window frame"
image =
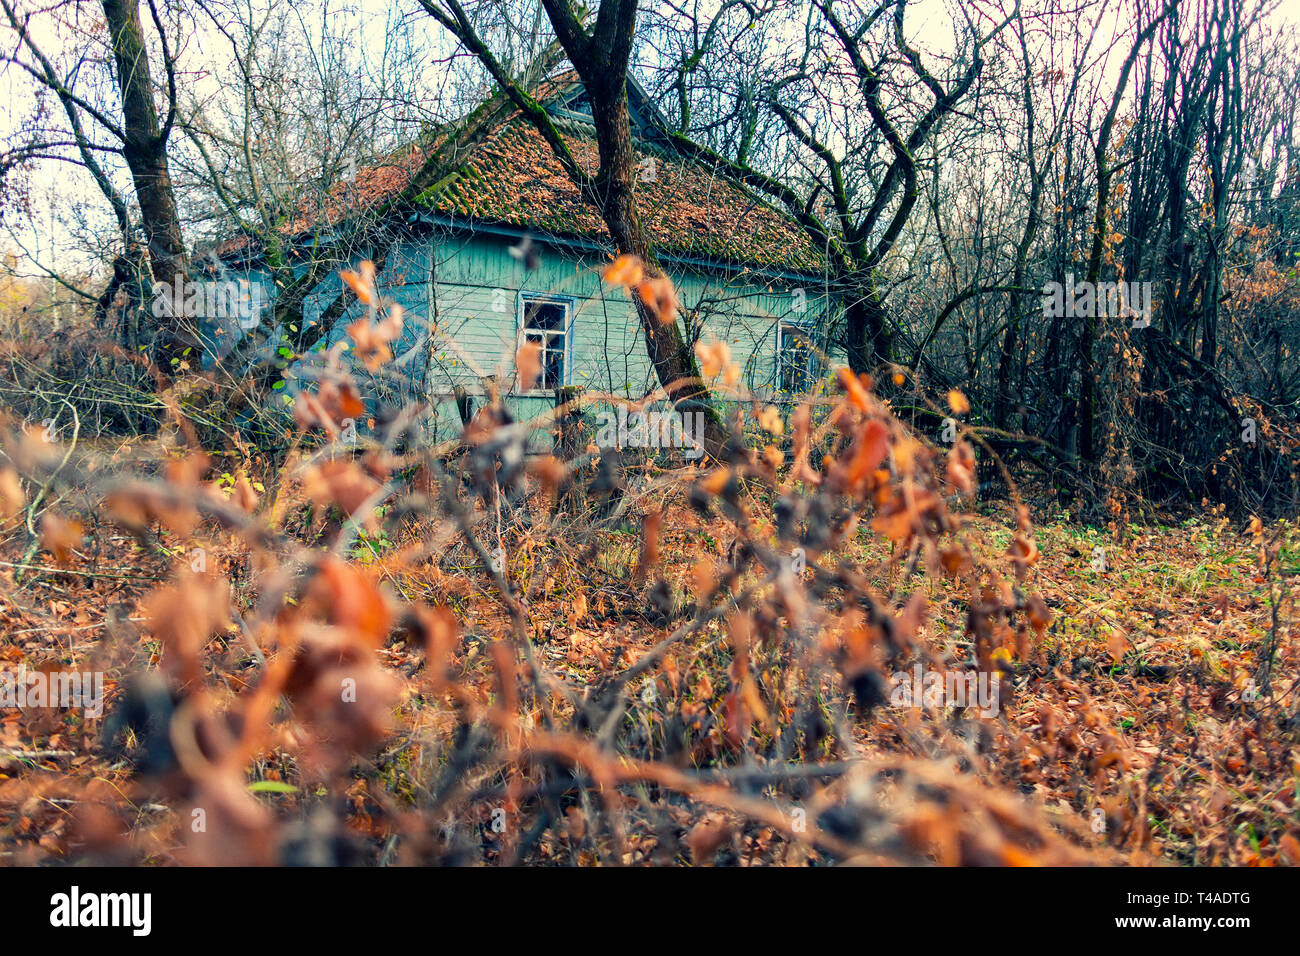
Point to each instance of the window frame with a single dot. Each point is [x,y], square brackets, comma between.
[812,370]
[522,300]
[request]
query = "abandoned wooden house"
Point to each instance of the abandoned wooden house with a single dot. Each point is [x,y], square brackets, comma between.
[495,246]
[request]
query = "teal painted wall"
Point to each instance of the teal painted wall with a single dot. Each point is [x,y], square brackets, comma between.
[477,287]
[461,297]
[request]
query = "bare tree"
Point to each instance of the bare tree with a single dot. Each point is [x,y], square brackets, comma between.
[850,204]
[600,47]
[140,138]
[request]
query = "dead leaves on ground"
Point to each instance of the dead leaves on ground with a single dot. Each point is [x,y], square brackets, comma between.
[371,676]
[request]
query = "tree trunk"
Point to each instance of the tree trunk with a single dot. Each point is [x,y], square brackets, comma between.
[615,195]
[145,152]
[867,339]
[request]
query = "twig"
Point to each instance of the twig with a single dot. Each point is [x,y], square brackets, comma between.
[81,574]
[35,754]
[34,546]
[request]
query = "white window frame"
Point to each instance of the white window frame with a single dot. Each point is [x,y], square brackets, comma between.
[522,299]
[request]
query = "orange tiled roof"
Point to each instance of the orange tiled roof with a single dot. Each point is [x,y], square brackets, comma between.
[512,178]
[689,210]
[372,187]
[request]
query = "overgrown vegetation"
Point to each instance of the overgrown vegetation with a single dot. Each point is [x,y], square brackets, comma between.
[377,654]
[1011,578]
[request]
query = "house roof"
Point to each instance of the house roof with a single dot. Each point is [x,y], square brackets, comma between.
[688,210]
[511,177]
[372,188]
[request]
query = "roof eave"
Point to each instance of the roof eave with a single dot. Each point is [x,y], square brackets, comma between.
[589,244]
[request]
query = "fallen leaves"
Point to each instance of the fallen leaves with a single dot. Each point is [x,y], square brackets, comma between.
[390,657]
[341,483]
[707,838]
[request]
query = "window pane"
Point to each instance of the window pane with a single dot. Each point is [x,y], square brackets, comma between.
[544,315]
[545,323]
[553,368]
[795,360]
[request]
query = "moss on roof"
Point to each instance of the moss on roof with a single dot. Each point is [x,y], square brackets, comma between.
[513,178]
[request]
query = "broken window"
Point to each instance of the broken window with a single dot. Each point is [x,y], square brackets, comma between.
[797,365]
[545,321]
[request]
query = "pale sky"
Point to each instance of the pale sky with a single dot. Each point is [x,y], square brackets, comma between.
[60,189]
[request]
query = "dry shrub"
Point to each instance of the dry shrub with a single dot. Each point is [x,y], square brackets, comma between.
[396,653]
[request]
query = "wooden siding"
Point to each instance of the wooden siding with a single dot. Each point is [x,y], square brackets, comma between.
[468,289]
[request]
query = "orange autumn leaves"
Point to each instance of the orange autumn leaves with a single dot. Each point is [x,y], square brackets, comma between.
[960,470]
[882,462]
[373,341]
[181,502]
[321,658]
[715,361]
[1023,550]
[59,536]
[528,362]
[656,292]
[362,282]
[343,484]
[334,403]
[337,400]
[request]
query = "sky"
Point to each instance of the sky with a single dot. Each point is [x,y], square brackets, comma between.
[67,206]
